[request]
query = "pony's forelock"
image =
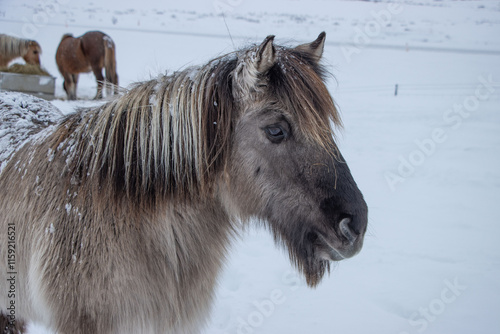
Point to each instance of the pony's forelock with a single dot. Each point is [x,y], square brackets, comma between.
[298,81]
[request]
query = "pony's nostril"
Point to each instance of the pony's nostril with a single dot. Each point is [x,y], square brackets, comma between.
[358,225]
[347,230]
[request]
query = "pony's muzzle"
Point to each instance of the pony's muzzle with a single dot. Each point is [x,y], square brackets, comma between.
[346,238]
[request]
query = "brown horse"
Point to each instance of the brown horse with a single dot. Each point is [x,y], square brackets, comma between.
[89,52]
[121,216]
[13,47]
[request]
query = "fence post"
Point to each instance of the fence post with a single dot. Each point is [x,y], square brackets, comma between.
[396,90]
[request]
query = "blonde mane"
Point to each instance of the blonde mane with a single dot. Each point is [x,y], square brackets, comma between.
[13,47]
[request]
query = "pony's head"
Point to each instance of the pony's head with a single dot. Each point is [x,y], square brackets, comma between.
[285,168]
[32,53]
[252,131]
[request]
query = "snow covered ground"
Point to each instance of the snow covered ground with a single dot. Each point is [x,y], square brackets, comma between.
[427,160]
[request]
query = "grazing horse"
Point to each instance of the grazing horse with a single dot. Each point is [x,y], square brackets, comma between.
[89,52]
[122,215]
[13,47]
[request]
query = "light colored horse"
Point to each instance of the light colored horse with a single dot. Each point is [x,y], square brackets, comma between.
[121,215]
[13,47]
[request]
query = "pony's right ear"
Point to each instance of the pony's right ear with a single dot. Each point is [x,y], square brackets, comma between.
[266,55]
[36,45]
[315,49]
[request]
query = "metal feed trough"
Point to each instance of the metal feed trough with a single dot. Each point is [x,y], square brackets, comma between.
[38,85]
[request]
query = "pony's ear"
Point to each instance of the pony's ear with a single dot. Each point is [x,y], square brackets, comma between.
[36,45]
[266,55]
[315,49]
[255,65]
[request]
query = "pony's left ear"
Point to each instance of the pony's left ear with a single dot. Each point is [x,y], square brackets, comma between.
[315,49]
[266,55]
[35,44]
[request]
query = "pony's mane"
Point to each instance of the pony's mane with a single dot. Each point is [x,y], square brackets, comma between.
[13,47]
[171,135]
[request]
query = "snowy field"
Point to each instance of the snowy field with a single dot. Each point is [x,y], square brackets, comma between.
[427,160]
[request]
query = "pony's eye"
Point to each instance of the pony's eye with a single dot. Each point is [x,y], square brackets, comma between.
[275,133]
